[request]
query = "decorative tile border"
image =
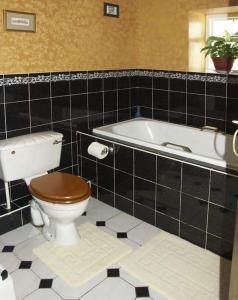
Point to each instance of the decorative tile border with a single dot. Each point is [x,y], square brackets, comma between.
[88,75]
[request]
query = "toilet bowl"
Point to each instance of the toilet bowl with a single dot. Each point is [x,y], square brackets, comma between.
[60,199]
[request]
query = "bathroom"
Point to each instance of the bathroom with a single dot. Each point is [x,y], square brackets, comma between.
[86,64]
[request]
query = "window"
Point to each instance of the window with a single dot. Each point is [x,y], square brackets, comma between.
[216,25]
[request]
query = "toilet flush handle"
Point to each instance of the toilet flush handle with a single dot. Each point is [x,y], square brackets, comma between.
[58,142]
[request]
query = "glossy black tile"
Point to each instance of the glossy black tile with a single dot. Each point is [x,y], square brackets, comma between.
[224,190]
[162,115]
[194,211]
[110,83]
[146,112]
[196,181]
[60,108]
[168,201]
[196,86]
[2,118]
[110,117]
[18,132]
[10,222]
[40,112]
[144,99]
[124,204]
[193,235]
[124,159]
[177,118]
[89,170]
[169,173]
[19,191]
[160,99]
[66,157]
[144,192]
[39,128]
[166,223]
[123,114]
[95,120]
[63,127]
[16,92]
[95,103]
[221,222]
[145,81]
[219,124]
[123,99]
[232,89]
[80,124]
[195,121]
[26,215]
[123,82]
[59,88]
[196,104]
[79,106]
[17,115]
[78,86]
[216,89]
[110,101]
[124,184]
[105,177]
[106,196]
[2,197]
[94,85]
[178,84]
[145,165]
[232,108]
[40,90]
[178,102]
[145,214]
[161,83]
[219,246]
[216,107]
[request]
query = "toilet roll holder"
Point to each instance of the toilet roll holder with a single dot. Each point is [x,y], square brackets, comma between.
[107,150]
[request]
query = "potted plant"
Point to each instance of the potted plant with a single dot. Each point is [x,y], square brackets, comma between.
[223,51]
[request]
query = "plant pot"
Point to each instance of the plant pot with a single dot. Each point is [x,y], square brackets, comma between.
[223,63]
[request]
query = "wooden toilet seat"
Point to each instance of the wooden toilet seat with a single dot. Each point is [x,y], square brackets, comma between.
[60,188]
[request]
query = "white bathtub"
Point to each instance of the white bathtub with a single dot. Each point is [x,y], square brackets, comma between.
[201,145]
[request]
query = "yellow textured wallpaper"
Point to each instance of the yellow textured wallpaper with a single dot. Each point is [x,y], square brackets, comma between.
[74,35]
[71,35]
[163,31]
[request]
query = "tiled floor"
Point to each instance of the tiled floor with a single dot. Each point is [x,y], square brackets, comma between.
[34,281]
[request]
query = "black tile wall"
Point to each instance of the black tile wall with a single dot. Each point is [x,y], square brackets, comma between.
[193,202]
[67,102]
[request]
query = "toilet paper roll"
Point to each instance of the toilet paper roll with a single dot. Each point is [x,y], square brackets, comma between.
[98,150]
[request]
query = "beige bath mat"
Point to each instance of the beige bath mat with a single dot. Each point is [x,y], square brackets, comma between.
[76,265]
[178,269]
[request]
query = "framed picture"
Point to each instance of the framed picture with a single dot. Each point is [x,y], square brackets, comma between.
[19,21]
[111,10]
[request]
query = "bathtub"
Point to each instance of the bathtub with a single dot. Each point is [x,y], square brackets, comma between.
[205,145]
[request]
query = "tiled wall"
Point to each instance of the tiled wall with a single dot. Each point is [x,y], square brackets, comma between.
[71,101]
[192,99]
[195,203]
[64,102]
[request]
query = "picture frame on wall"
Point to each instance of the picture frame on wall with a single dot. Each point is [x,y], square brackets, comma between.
[19,21]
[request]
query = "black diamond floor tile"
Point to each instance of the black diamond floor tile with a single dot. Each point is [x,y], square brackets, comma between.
[121,235]
[113,272]
[46,283]
[8,248]
[25,265]
[142,292]
[100,223]
[84,214]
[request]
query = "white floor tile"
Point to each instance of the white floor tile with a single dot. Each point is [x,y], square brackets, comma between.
[24,250]
[43,294]
[39,268]
[93,203]
[130,243]
[156,296]
[111,289]
[68,292]
[122,222]
[19,235]
[142,233]
[132,280]
[9,261]
[25,282]
[102,213]
[82,220]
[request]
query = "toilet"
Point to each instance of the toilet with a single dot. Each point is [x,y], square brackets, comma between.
[58,198]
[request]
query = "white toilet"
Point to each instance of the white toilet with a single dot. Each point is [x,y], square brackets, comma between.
[58,198]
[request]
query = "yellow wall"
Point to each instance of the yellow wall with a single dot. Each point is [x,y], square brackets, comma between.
[71,35]
[163,31]
[74,35]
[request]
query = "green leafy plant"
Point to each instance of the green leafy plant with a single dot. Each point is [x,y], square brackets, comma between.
[226,46]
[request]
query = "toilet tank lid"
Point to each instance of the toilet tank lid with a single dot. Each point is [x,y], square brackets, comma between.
[28,139]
